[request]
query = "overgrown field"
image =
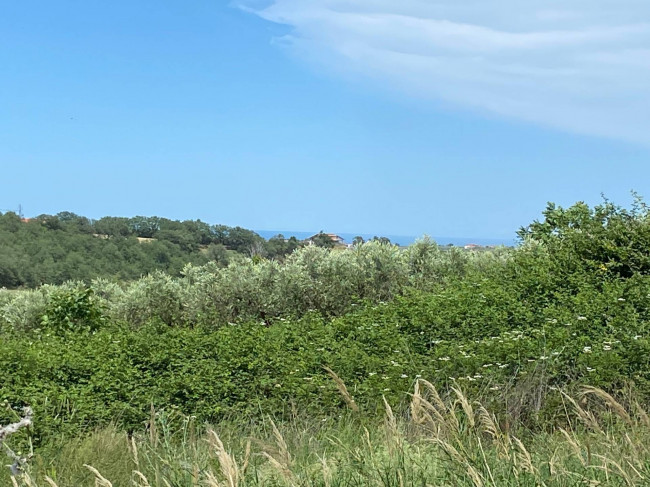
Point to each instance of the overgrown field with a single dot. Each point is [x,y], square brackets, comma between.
[441,442]
[326,343]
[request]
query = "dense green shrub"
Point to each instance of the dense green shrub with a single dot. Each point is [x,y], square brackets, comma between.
[74,310]
[606,240]
[464,334]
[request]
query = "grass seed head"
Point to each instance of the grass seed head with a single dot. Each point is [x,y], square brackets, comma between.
[340,385]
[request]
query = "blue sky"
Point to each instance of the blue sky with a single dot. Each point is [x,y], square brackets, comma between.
[449,118]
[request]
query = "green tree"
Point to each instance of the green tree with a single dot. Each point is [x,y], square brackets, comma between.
[114,226]
[9,272]
[278,246]
[323,240]
[145,227]
[604,239]
[384,240]
[218,253]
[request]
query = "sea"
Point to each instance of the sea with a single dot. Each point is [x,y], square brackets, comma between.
[402,240]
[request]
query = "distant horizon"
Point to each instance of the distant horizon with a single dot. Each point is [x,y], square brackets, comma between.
[399,239]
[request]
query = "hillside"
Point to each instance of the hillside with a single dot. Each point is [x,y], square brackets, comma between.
[52,249]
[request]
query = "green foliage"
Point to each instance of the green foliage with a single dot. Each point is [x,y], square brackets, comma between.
[72,310]
[323,240]
[256,288]
[568,306]
[606,239]
[278,247]
[53,249]
[448,438]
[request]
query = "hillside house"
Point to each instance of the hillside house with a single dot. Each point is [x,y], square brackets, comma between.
[473,246]
[336,239]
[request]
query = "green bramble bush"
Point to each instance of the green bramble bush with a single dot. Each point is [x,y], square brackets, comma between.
[72,310]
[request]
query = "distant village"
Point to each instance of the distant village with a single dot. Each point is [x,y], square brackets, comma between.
[339,242]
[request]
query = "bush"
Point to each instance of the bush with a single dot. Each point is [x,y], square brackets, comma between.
[72,310]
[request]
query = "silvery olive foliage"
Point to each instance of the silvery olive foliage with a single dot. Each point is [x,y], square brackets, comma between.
[311,278]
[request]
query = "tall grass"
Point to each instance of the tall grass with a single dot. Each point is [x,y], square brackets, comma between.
[441,439]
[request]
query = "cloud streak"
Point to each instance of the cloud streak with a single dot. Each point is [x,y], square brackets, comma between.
[575,65]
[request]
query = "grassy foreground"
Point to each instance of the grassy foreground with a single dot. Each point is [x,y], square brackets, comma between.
[437,441]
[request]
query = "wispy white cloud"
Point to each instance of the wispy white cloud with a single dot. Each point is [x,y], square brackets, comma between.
[578,65]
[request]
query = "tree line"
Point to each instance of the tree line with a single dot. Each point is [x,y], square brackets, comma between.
[52,249]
